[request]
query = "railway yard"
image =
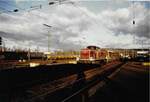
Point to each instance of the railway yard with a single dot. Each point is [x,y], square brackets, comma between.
[74,51]
[91,75]
[116,81]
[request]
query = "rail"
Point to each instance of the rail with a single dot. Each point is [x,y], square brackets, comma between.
[83,91]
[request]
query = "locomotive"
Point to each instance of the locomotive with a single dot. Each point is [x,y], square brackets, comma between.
[96,55]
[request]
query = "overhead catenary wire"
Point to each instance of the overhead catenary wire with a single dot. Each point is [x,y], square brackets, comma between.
[136,40]
[14,6]
[5,10]
[133,20]
[133,12]
[76,6]
[17,9]
[34,7]
[8,4]
[83,12]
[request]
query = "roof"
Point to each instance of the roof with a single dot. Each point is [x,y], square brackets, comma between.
[93,47]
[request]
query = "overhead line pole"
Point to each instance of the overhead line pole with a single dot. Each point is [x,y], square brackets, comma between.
[48,45]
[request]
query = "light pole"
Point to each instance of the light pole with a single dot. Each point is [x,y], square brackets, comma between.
[48,43]
[28,55]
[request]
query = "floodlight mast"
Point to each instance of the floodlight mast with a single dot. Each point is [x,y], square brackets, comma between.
[48,43]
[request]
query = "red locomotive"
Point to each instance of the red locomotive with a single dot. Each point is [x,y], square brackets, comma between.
[93,54]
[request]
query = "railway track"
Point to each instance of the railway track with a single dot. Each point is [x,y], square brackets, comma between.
[71,83]
[75,87]
[129,84]
[16,82]
[106,72]
[138,66]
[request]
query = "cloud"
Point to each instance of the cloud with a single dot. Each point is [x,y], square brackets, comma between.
[74,27]
[28,26]
[120,21]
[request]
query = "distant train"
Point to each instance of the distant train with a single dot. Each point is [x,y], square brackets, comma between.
[93,54]
[143,56]
[13,55]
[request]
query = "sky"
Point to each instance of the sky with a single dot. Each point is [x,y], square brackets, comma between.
[75,24]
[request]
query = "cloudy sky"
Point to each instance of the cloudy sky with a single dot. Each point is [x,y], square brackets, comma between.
[75,24]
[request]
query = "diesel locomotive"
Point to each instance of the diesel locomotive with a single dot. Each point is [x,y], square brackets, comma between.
[94,54]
